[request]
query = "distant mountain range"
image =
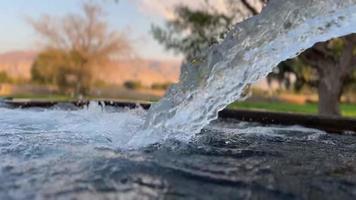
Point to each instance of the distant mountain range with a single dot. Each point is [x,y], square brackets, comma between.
[148,71]
[17,63]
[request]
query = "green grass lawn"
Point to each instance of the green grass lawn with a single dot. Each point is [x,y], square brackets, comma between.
[348,110]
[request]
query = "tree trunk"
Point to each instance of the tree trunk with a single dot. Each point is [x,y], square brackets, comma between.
[330,91]
[333,71]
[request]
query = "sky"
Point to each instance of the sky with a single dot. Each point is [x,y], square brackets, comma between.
[133,17]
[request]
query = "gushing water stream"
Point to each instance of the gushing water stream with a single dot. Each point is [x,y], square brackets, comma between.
[71,153]
[249,52]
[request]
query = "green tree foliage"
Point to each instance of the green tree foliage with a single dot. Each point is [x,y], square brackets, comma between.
[63,69]
[133,85]
[193,31]
[202,27]
[160,86]
[306,73]
[47,66]
[330,67]
[5,78]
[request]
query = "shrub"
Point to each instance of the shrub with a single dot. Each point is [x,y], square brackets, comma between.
[5,78]
[133,85]
[69,71]
[160,86]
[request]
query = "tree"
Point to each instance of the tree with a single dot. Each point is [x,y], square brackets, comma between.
[328,66]
[133,85]
[161,86]
[193,31]
[82,41]
[56,67]
[4,77]
[46,66]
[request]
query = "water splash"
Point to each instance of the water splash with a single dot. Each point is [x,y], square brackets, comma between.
[95,126]
[249,52]
[82,154]
[92,126]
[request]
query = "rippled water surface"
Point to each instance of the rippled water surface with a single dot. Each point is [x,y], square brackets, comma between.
[79,154]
